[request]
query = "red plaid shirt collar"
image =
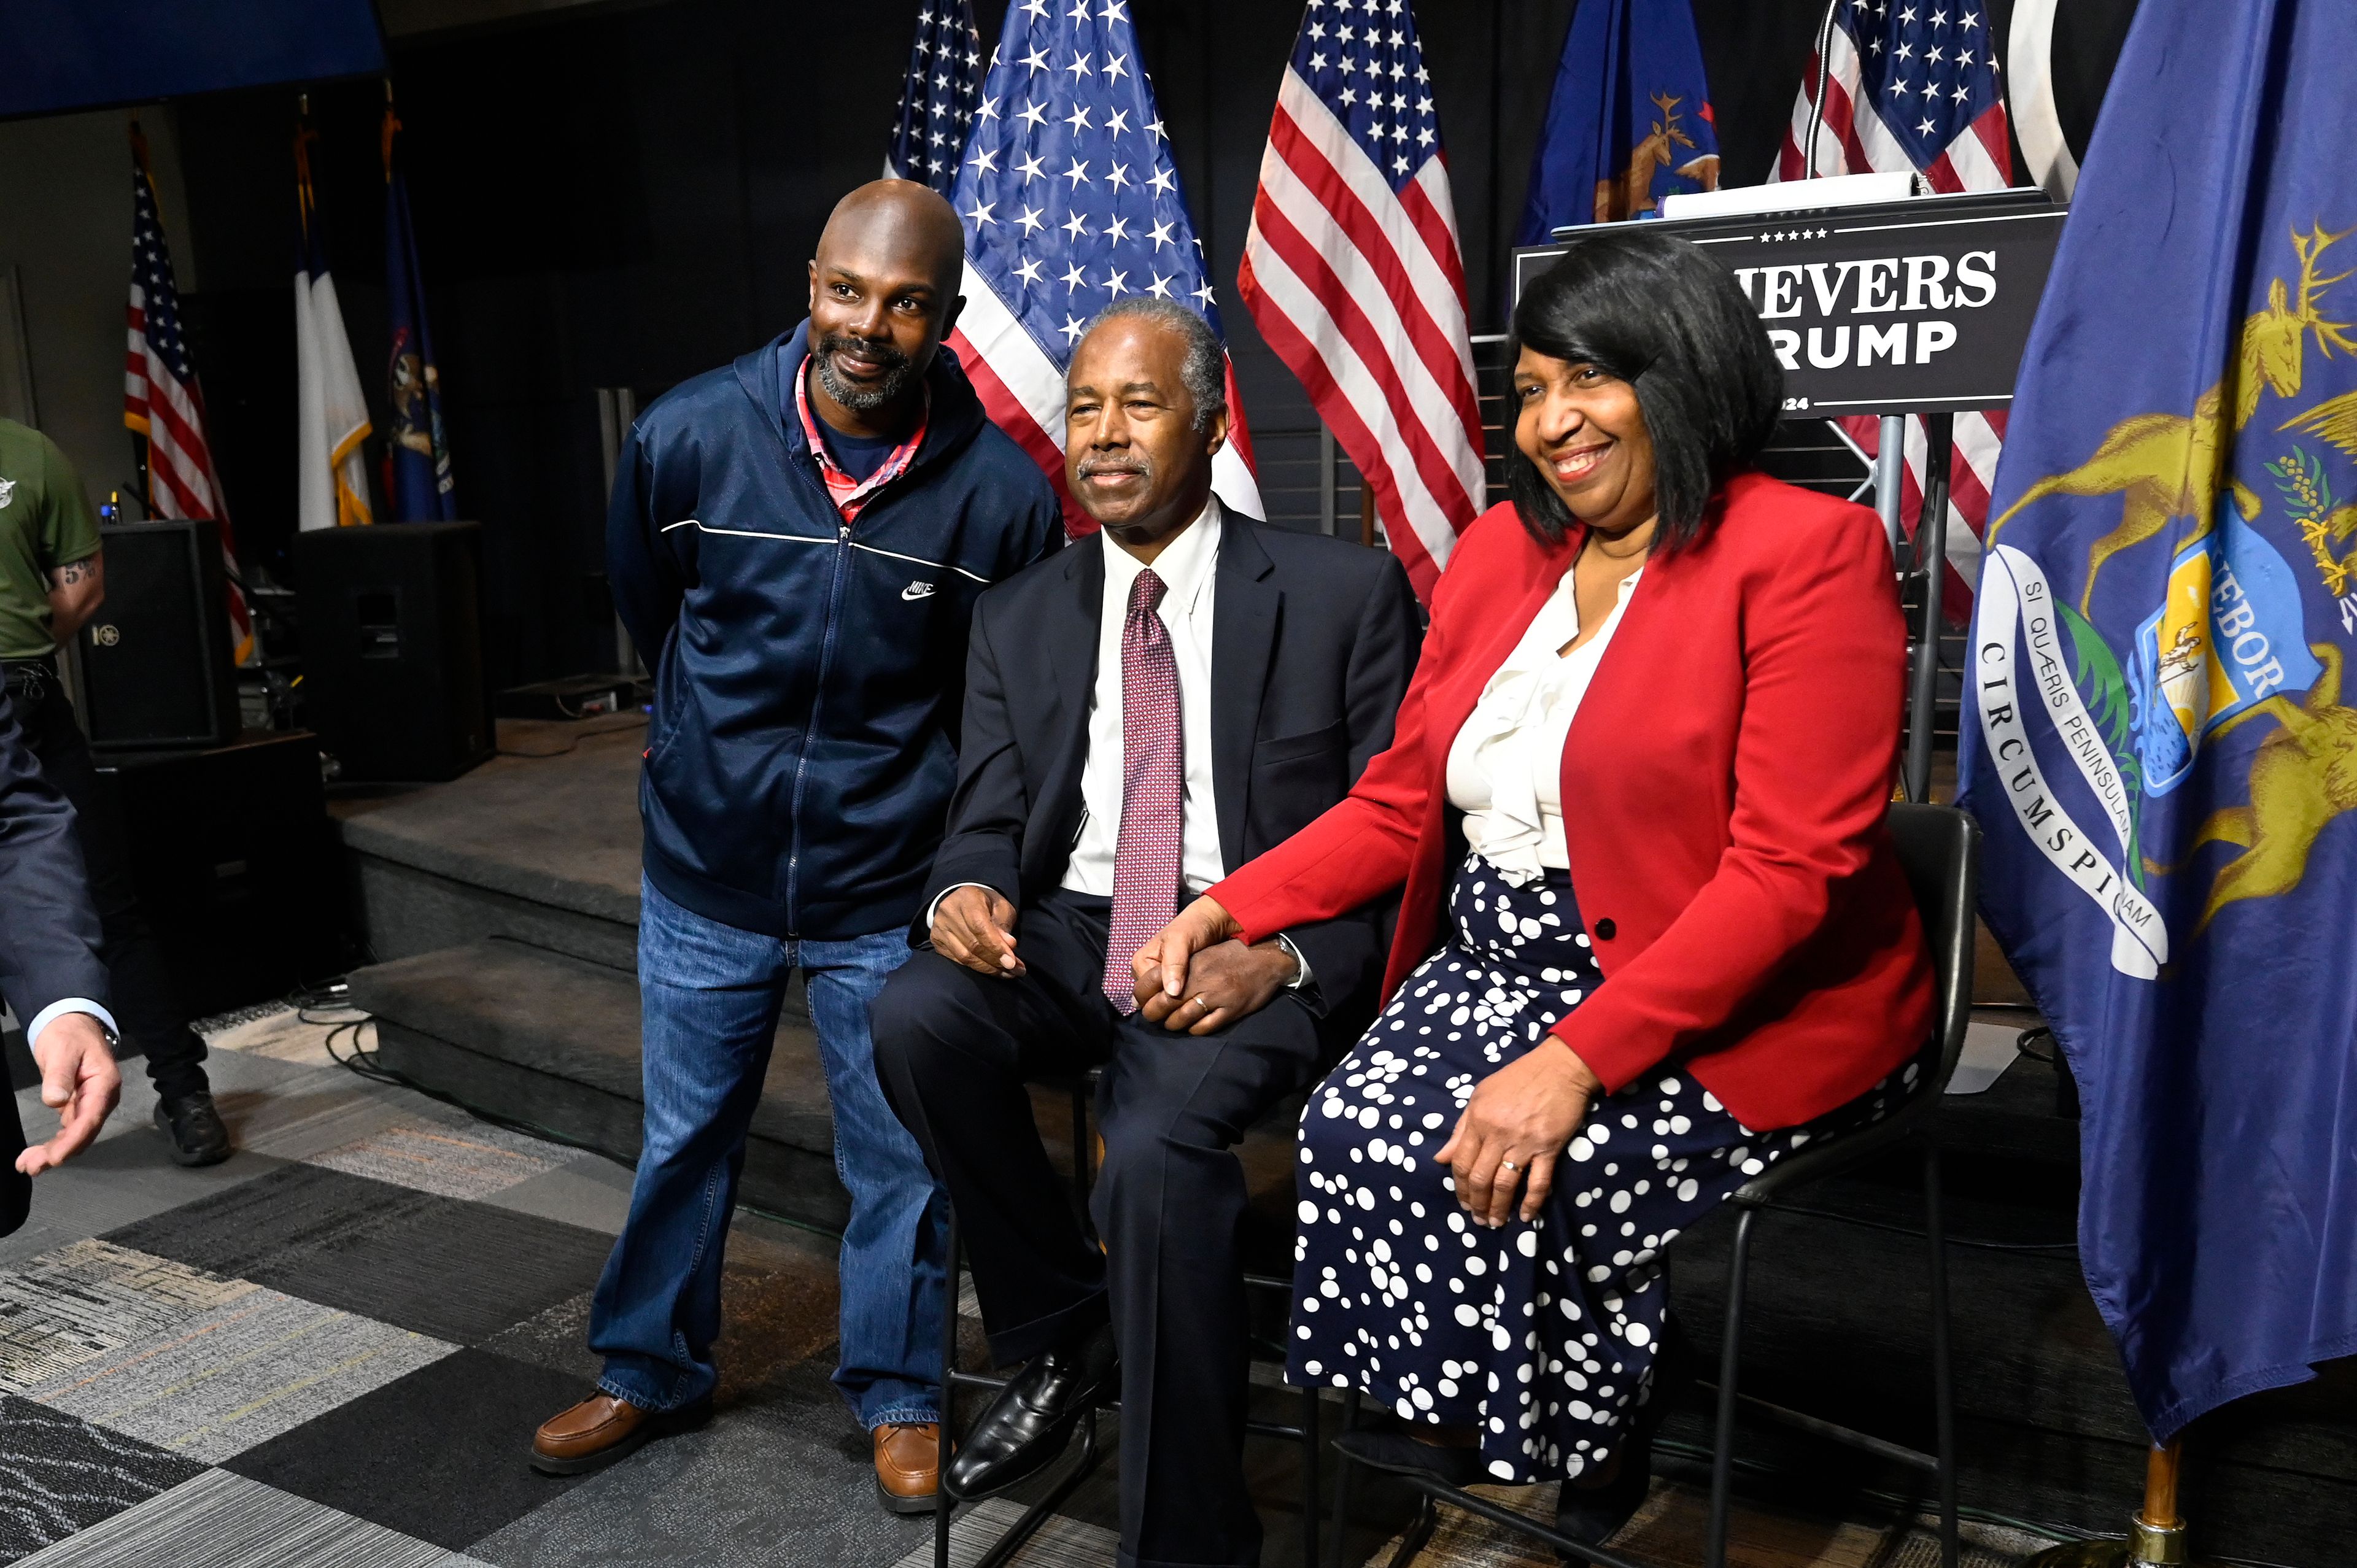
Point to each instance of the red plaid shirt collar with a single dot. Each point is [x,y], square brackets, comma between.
[851,495]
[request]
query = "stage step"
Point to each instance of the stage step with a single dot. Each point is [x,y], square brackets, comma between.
[552,1040]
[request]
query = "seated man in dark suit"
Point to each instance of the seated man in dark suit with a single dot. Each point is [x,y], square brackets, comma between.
[1143,713]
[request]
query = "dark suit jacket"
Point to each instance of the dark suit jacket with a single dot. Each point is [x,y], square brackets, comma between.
[48,933]
[1313,641]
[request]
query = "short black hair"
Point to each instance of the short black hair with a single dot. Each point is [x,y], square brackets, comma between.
[1656,312]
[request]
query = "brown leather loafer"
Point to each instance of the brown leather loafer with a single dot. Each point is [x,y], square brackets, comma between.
[908,1466]
[602,1429]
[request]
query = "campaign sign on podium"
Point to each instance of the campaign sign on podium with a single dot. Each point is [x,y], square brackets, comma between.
[1914,306]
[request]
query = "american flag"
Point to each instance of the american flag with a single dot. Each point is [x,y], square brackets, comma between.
[1912,85]
[161,400]
[1070,201]
[937,101]
[1353,273]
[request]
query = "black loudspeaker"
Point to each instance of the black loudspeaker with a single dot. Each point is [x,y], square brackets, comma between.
[392,648]
[157,668]
[237,865]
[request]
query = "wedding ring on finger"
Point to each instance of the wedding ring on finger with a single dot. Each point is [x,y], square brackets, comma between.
[1508,1165]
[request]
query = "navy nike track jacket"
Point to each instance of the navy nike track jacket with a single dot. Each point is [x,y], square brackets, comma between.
[808,673]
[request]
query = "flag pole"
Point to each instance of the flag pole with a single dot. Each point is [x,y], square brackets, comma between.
[2156,1535]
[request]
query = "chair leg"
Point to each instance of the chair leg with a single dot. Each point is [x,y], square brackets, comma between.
[1085,1173]
[949,1402]
[1943,1387]
[1312,1468]
[1722,1452]
[1419,1531]
[1343,1472]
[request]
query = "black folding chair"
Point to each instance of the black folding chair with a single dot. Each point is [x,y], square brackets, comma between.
[1939,847]
[1091,1455]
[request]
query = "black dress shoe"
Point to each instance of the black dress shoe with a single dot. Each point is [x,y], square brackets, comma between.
[1028,1425]
[1397,1453]
[1594,1514]
[193,1129]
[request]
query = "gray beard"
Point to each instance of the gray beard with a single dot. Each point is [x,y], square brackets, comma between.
[864,400]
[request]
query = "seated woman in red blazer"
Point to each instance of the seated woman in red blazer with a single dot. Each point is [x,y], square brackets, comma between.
[1652,934]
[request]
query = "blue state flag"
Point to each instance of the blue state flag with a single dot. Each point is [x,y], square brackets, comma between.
[418,482]
[2159,738]
[1629,121]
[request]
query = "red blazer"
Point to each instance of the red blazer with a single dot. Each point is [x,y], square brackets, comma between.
[1724,786]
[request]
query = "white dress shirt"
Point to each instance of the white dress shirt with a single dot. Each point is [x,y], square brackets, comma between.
[1186,567]
[1505,766]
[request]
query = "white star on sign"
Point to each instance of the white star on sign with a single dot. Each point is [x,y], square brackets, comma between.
[981,213]
[1032,114]
[1077,174]
[1114,282]
[1160,234]
[1080,66]
[1925,127]
[1078,118]
[1077,228]
[1076,278]
[1030,220]
[1071,328]
[1029,268]
[1160,287]
[1116,67]
[1028,166]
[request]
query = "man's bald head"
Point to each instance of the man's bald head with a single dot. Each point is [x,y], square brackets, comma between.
[911,226]
[883,295]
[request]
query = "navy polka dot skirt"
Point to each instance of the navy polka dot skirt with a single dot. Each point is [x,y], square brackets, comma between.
[1543,1335]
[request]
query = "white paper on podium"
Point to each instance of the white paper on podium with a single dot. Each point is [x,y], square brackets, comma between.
[1989,1049]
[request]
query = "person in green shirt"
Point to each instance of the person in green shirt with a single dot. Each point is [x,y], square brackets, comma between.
[52,580]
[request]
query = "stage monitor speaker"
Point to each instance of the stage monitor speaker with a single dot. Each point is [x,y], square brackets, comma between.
[392,648]
[157,666]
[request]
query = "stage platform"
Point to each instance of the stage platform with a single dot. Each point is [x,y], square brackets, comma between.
[502,910]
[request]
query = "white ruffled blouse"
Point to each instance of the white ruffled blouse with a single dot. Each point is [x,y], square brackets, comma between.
[1505,768]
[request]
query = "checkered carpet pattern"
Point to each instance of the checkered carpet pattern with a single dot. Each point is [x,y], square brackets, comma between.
[331,1351]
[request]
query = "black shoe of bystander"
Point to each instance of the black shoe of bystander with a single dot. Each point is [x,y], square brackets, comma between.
[194,1129]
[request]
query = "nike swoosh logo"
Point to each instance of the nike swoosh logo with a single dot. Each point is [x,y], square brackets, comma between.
[918,591]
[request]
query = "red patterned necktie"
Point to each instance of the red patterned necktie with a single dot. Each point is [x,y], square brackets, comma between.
[1145,856]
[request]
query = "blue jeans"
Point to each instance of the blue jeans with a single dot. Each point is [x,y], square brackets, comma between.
[710,997]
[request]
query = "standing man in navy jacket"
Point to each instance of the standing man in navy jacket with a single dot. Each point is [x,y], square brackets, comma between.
[796,542]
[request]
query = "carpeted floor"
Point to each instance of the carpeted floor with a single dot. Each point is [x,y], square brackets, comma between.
[330,1352]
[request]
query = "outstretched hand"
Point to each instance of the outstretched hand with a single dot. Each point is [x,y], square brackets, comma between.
[79,1080]
[1523,1114]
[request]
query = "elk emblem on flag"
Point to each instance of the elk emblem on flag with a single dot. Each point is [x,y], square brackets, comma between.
[1911,86]
[1353,274]
[1069,200]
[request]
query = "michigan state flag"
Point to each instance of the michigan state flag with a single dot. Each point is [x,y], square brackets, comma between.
[2161,743]
[1629,122]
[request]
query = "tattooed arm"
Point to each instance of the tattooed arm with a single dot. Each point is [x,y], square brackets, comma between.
[76,590]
